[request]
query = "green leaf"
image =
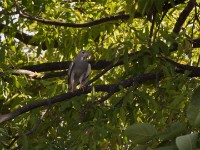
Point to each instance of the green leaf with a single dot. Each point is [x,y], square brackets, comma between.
[22,81]
[84,38]
[2,54]
[52,90]
[167,148]
[144,6]
[140,133]
[126,65]
[4,137]
[122,114]
[174,130]
[130,8]
[159,4]
[187,142]
[25,142]
[159,46]
[140,147]
[193,111]
[16,82]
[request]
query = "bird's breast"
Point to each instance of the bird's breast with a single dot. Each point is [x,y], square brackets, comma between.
[81,67]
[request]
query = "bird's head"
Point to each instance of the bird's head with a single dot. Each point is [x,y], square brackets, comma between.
[83,55]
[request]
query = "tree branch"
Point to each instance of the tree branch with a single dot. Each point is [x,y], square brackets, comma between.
[33,129]
[24,14]
[25,38]
[195,43]
[110,88]
[27,72]
[67,96]
[194,71]
[53,75]
[183,16]
[96,65]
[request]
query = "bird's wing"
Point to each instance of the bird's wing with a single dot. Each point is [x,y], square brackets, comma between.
[84,77]
[88,71]
[70,72]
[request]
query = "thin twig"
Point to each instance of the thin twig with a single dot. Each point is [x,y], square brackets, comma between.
[86,106]
[104,98]
[33,129]
[152,27]
[100,74]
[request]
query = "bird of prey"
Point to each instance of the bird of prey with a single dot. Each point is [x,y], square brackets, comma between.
[79,71]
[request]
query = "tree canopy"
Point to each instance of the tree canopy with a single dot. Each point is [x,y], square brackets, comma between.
[143,91]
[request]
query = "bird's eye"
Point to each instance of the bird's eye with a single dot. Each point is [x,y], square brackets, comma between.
[83,52]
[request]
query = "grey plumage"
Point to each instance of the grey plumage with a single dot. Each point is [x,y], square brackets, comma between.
[79,71]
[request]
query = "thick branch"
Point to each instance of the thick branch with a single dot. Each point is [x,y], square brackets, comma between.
[24,14]
[27,72]
[67,96]
[111,88]
[96,65]
[195,43]
[25,38]
[169,5]
[181,69]
[183,16]
[194,71]
[53,75]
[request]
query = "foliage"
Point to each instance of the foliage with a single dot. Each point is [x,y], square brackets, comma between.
[144,92]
